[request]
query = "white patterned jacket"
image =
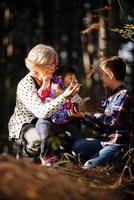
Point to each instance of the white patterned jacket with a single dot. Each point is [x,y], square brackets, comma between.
[29,106]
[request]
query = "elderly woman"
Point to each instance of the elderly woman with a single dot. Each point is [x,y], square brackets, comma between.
[41,63]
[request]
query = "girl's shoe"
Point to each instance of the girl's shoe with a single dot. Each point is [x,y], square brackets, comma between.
[49,160]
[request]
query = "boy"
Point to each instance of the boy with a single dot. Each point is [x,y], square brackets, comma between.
[114,121]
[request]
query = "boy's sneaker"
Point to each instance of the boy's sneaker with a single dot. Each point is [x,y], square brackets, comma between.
[49,160]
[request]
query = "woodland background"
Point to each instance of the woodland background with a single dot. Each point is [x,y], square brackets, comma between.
[80,31]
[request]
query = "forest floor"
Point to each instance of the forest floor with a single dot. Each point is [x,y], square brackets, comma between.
[24,180]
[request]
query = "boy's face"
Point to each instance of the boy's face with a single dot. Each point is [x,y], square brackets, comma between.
[68,78]
[107,76]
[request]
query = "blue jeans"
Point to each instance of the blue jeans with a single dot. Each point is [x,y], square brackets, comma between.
[93,151]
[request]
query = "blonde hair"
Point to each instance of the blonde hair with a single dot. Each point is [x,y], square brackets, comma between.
[41,54]
[116,65]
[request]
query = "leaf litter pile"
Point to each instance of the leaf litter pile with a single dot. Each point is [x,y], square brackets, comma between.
[23,180]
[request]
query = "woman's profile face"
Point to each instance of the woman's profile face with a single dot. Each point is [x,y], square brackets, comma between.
[45,70]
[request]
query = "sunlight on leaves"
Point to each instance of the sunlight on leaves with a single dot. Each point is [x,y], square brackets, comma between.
[126,32]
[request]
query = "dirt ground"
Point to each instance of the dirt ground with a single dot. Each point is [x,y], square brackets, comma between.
[23,180]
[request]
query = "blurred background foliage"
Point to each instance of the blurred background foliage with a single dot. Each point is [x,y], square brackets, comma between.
[82,32]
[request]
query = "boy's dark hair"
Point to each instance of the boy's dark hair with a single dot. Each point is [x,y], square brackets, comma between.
[117,66]
[64,70]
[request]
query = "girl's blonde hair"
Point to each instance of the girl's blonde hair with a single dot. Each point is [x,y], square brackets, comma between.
[40,55]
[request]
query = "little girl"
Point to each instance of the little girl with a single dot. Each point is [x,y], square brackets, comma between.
[60,122]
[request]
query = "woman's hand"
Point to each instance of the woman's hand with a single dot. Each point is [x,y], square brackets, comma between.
[58,90]
[45,82]
[71,90]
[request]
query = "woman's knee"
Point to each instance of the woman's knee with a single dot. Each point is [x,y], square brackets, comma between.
[31,142]
[31,136]
[42,122]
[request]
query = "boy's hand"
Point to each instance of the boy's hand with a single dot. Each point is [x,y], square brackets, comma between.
[75,111]
[85,99]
